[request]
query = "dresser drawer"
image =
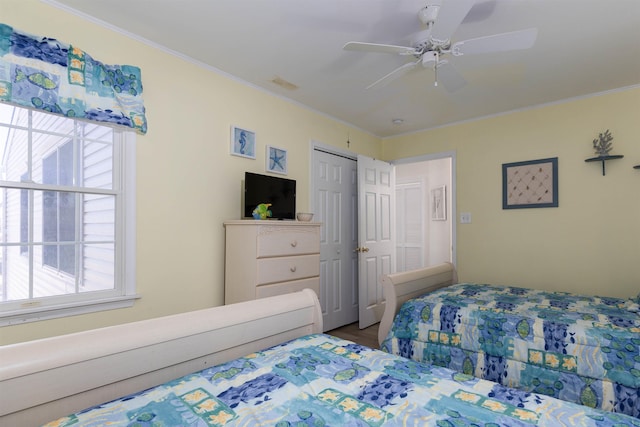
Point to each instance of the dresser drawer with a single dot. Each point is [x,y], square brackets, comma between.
[287,287]
[282,241]
[283,269]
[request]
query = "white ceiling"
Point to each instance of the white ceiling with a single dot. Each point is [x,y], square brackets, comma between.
[583,47]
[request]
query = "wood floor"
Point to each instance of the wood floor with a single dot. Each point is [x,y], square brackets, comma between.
[351,332]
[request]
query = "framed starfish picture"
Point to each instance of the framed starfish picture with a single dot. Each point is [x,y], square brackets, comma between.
[276,160]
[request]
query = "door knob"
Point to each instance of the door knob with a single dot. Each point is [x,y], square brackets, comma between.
[361,249]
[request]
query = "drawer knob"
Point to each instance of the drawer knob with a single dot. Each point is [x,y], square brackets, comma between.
[293,269]
[294,244]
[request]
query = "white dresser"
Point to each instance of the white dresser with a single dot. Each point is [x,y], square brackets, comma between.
[266,258]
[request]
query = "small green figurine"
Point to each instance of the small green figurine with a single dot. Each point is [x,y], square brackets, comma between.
[262,211]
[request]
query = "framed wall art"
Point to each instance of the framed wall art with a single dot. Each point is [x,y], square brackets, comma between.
[439,203]
[276,160]
[243,142]
[530,184]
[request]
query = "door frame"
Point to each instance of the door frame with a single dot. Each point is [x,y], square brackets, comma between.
[331,149]
[454,215]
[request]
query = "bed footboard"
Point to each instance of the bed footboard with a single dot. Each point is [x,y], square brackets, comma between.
[50,378]
[400,287]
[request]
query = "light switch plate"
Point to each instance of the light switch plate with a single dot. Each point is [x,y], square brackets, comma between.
[465,218]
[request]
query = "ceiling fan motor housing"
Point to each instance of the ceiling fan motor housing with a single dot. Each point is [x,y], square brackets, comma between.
[427,15]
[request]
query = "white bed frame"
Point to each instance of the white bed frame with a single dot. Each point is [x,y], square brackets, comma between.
[49,378]
[400,287]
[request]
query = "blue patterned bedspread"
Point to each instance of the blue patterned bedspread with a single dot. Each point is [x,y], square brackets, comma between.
[320,380]
[577,348]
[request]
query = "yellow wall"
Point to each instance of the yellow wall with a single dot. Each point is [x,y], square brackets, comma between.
[187,183]
[591,242]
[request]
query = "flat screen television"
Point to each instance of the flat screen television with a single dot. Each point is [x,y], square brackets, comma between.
[280,192]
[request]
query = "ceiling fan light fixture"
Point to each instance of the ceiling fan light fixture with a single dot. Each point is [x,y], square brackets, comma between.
[397,122]
[430,59]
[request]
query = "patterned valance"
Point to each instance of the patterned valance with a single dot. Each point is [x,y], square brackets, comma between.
[43,73]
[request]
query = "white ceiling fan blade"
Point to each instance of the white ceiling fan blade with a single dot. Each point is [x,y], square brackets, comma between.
[379,48]
[450,78]
[398,72]
[515,40]
[449,17]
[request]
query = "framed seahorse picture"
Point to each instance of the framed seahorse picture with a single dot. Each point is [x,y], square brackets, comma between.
[243,142]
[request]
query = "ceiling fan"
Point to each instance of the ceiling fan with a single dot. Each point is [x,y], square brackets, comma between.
[434,43]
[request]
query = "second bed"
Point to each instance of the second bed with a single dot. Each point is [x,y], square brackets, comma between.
[578,348]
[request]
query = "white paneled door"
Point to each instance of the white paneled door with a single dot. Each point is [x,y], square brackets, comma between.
[376,231]
[335,193]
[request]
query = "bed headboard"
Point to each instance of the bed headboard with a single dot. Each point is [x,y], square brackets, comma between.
[401,287]
[49,378]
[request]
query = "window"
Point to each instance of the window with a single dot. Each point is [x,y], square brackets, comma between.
[58,211]
[24,216]
[67,216]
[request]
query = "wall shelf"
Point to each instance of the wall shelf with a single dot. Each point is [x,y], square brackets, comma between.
[603,159]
